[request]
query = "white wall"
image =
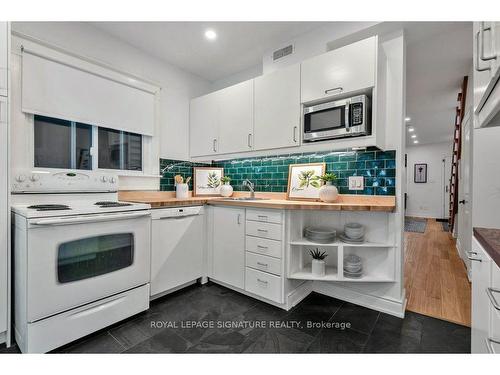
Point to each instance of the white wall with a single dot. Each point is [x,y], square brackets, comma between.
[178,86]
[427,200]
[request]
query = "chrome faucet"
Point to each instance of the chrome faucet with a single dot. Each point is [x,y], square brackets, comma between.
[251,186]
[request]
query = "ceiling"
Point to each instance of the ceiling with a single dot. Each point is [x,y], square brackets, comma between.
[439,55]
[239,45]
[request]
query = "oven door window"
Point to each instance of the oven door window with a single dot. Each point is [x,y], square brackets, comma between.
[327,119]
[94,256]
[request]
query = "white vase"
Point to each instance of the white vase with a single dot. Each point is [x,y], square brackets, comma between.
[318,267]
[181,191]
[328,192]
[226,190]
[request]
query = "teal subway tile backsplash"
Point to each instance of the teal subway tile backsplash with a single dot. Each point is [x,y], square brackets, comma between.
[270,173]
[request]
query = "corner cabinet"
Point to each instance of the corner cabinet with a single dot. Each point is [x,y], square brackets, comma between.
[228,253]
[277,109]
[203,120]
[347,69]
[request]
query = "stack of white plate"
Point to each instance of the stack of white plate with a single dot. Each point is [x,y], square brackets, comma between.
[353,266]
[320,234]
[354,233]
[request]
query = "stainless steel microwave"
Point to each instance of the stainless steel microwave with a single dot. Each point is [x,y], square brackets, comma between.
[342,118]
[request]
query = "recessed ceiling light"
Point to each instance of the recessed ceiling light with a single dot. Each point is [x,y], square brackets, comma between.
[411,129]
[210,34]
[407,119]
[414,136]
[415,141]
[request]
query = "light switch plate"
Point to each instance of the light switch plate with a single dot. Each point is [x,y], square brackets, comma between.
[356,183]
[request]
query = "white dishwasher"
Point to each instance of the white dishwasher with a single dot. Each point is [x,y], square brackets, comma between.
[178,240]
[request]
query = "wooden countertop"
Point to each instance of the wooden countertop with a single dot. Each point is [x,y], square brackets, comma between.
[346,202]
[490,239]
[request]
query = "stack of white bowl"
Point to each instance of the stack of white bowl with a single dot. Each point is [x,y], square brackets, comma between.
[320,234]
[353,233]
[353,266]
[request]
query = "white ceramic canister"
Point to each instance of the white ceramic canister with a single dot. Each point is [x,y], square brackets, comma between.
[328,192]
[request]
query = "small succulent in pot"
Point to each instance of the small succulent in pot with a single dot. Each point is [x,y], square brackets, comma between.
[226,190]
[328,192]
[318,262]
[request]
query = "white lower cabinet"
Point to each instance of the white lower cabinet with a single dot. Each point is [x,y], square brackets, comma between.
[494,297]
[263,263]
[228,253]
[264,284]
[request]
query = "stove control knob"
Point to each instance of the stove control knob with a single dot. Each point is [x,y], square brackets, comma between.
[34,178]
[104,179]
[21,178]
[112,180]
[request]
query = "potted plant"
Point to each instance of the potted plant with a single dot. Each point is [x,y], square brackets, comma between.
[226,190]
[328,192]
[318,262]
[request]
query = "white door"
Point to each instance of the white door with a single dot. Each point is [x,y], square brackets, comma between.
[236,118]
[229,246]
[277,109]
[446,186]
[176,250]
[203,125]
[346,69]
[77,260]
[481,280]
[4,212]
[464,192]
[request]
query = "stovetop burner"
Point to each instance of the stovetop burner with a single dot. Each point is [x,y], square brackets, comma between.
[49,207]
[108,204]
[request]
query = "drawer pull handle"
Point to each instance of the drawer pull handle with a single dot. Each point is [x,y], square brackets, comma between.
[494,302]
[262,281]
[262,247]
[262,230]
[262,216]
[263,264]
[471,256]
[337,89]
[490,341]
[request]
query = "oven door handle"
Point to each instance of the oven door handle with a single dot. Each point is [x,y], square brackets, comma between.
[89,219]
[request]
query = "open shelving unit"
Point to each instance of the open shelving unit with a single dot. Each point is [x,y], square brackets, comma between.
[377,253]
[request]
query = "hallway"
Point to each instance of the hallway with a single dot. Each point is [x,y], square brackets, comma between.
[435,277]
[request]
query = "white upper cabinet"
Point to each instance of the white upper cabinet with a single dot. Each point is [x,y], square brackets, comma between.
[346,69]
[236,118]
[277,109]
[3,57]
[203,125]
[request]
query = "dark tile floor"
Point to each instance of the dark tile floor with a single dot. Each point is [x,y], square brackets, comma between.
[229,322]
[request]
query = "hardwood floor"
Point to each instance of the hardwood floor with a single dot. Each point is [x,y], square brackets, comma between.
[435,276]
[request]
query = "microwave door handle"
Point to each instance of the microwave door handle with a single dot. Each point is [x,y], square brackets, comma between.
[347,119]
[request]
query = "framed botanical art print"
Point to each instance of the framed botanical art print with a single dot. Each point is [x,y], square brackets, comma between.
[304,181]
[420,173]
[207,181]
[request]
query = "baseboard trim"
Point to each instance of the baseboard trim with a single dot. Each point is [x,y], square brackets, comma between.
[392,307]
[298,294]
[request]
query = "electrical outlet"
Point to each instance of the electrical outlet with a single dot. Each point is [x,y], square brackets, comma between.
[356,183]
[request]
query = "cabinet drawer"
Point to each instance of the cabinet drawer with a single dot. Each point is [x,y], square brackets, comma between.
[263,284]
[263,263]
[264,230]
[263,246]
[265,216]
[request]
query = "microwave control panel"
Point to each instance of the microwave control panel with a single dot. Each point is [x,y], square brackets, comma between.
[356,114]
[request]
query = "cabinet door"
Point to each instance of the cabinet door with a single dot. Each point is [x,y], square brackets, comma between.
[177,252]
[236,118]
[277,109]
[346,69]
[3,214]
[229,246]
[3,58]
[203,130]
[481,280]
[482,69]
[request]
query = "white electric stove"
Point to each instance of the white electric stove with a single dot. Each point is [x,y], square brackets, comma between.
[81,257]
